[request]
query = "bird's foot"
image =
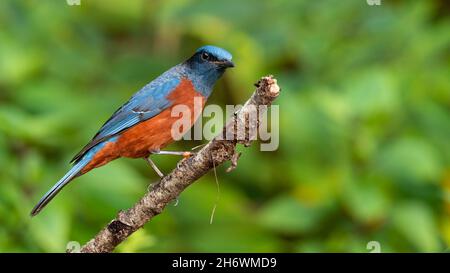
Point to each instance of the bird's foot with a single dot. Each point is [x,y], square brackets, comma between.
[188,154]
[198,147]
[185,154]
[154,167]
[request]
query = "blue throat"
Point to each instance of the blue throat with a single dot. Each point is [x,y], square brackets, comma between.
[204,83]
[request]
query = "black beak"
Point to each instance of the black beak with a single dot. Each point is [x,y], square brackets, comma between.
[226,63]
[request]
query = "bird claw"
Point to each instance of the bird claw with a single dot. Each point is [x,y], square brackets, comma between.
[188,154]
[197,147]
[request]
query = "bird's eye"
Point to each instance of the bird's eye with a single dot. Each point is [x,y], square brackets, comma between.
[205,56]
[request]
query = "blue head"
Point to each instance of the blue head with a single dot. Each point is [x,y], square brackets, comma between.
[207,65]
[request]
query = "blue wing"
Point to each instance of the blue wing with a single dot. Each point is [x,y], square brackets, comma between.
[145,104]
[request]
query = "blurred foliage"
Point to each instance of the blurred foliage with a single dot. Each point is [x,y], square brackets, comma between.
[365,123]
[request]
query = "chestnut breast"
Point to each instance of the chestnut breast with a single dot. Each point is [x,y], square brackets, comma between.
[157,132]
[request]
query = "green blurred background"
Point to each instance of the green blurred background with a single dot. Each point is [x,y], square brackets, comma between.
[364,115]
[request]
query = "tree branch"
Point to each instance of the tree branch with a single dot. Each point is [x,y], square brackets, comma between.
[222,148]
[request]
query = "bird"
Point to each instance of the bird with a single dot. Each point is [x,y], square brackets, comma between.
[143,125]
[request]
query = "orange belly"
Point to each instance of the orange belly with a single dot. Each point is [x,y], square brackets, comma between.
[155,133]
